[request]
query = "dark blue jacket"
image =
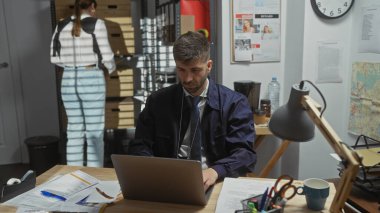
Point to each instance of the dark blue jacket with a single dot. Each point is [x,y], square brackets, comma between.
[227,128]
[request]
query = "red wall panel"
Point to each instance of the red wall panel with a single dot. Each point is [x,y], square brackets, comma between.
[200,9]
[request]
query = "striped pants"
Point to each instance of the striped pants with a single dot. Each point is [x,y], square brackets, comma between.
[83,95]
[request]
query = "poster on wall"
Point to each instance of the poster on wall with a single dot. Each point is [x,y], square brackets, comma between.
[364,115]
[329,54]
[369,39]
[255,30]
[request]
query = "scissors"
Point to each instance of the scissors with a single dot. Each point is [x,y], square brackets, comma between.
[282,189]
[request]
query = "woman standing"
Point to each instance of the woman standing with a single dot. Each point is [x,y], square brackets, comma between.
[80,45]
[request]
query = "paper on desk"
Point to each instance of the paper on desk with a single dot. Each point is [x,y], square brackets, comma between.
[336,157]
[34,201]
[371,156]
[65,209]
[32,198]
[34,210]
[104,192]
[30,210]
[70,184]
[235,190]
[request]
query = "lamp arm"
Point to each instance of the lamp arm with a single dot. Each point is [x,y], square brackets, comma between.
[349,157]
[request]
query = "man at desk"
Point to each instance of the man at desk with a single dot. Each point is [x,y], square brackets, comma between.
[197,118]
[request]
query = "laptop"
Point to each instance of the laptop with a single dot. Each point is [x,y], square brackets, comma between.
[160,179]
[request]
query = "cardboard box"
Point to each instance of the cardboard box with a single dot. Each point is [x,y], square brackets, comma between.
[120,106]
[120,86]
[112,2]
[187,23]
[122,72]
[119,114]
[120,20]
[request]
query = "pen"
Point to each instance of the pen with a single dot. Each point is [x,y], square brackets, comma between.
[267,203]
[263,199]
[49,194]
[103,193]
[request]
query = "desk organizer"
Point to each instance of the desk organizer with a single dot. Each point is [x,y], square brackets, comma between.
[247,206]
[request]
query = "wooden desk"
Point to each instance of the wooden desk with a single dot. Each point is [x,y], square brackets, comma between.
[297,204]
[261,132]
[363,201]
[360,199]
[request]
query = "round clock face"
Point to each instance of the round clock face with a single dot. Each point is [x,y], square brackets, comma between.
[331,9]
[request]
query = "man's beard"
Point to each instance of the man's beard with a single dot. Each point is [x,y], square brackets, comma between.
[196,89]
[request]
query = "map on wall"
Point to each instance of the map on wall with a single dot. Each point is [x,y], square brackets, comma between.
[365,100]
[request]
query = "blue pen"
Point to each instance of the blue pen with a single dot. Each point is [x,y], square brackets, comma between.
[49,194]
[263,199]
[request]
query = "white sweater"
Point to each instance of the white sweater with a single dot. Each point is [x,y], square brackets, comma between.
[78,51]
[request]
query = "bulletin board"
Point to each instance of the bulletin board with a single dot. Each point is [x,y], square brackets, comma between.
[255,30]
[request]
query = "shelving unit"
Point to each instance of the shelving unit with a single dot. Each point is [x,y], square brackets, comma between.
[168,26]
[158,34]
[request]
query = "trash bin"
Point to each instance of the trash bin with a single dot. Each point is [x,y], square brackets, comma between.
[43,152]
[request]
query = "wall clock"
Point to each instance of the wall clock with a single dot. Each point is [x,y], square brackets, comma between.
[331,9]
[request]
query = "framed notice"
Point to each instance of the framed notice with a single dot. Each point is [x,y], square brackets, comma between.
[255,30]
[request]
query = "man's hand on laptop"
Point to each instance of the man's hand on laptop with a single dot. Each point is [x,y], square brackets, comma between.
[209,177]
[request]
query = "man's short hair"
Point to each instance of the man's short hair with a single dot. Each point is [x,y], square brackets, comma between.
[191,46]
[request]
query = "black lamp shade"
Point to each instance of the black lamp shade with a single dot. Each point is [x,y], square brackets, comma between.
[291,121]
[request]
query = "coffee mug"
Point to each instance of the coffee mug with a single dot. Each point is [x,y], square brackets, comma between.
[316,192]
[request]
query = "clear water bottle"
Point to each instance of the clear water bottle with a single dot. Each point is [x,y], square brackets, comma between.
[274,94]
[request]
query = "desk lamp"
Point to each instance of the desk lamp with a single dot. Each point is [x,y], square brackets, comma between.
[295,121]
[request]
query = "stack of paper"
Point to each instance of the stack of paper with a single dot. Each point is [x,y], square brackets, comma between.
[368,177]
[73,192]
[235,190]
